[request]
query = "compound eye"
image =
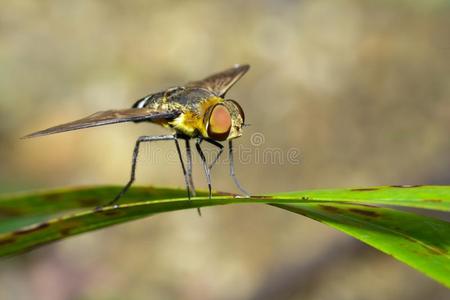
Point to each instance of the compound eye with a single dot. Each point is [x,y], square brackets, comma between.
[219,124]
[241,111]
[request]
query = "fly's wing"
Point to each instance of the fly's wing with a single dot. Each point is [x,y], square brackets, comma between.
[109,117]
[221,82]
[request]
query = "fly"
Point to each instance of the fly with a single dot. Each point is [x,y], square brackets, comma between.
[197,110]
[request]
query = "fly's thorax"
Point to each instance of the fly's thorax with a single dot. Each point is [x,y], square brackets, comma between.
[186,123]
[191,121]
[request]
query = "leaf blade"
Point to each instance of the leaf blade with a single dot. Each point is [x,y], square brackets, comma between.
[424,196]
[33,219]
[421,242]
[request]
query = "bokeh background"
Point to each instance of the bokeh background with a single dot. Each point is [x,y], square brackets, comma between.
[360,88]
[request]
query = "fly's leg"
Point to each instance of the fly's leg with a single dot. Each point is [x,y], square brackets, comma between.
[189,167]
[205,165]
[188,175]
[218,145]
[186,179]
[232,173]
[134,160]
[207,168]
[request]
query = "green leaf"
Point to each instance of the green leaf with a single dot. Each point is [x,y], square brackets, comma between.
[421,242]
[22,209]
[30,220]
[418,196]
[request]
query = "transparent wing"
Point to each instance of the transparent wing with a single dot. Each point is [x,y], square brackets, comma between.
[109,117]
[221,82]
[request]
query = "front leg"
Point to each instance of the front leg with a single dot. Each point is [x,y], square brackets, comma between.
[189,166]
[218,145]
[205,164]
[232,173]
[185,174]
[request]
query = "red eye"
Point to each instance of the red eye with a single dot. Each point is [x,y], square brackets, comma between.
[219,124]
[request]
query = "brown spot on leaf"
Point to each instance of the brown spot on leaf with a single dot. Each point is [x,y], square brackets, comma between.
[111,212]
[364,189]
[31,229]
[261,197]
[65,229]
[367,213]
[88,201]
[53,197]
[7,240]
[406,186]
[10,212]
[328,208]
[433,200]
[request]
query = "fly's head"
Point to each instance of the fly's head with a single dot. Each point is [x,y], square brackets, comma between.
[224,120]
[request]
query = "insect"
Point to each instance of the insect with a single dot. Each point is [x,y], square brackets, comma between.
[197,110]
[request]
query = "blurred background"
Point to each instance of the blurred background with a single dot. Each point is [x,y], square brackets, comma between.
[359,90]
